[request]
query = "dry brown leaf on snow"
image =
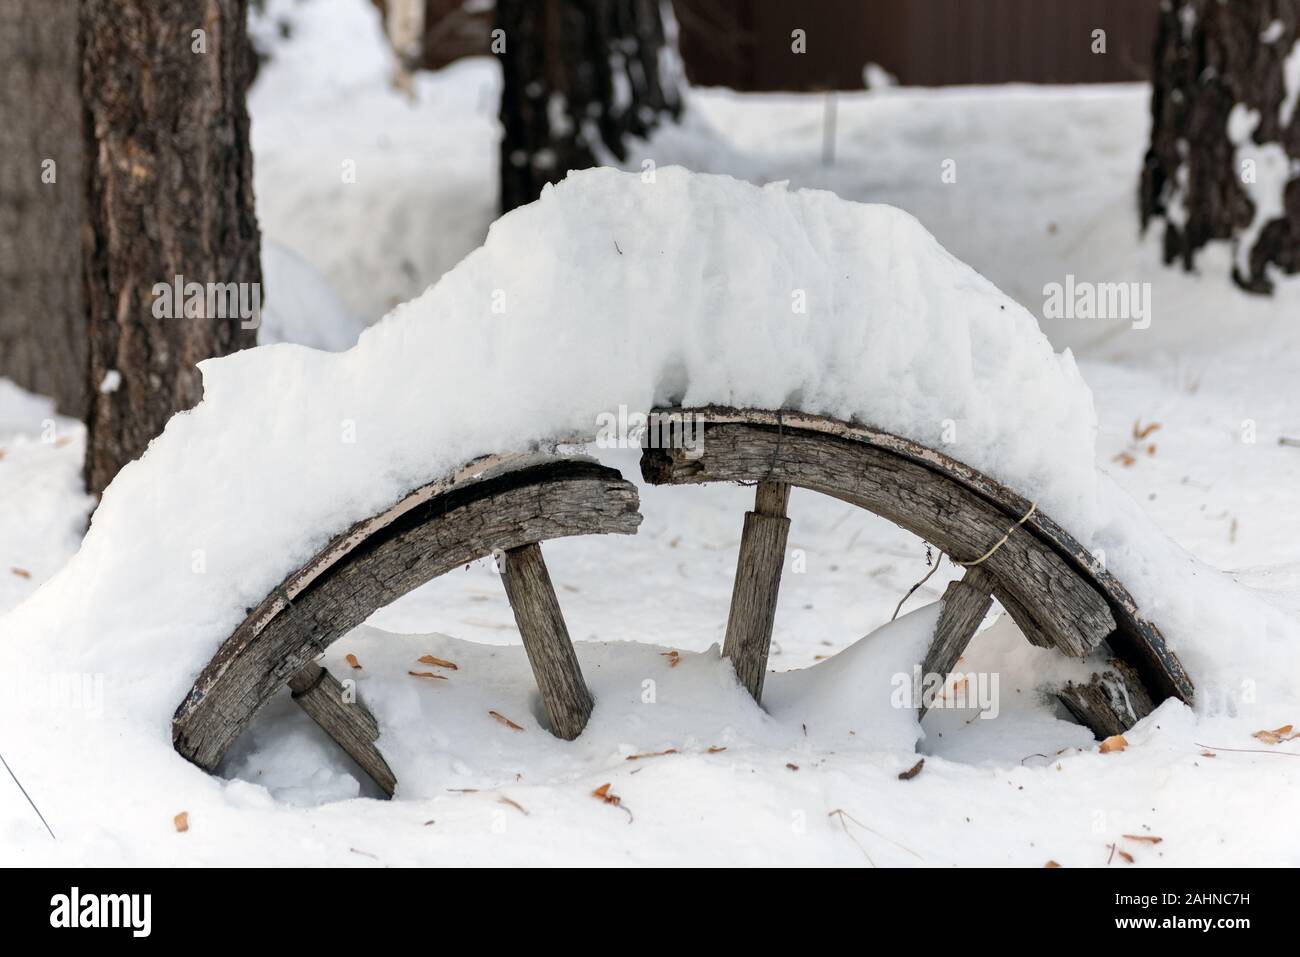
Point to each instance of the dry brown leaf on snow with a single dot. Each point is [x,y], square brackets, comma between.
[1124,459]
[182,821]
[609,797]
[604,794]
[1125,854]
[674,658]
[1141,431]
[650,754]
[1051,864]
[1116,742]
[792,767]
[1277,735]
[352,660]
[439,662]
[1150,839]
[427,674]
[1208,754]
[912,772]
[506,721]
[21,572]
[714,749]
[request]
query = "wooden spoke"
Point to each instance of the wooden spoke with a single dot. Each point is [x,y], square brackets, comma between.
[965,603]
[758,580]
[343,718]
[565,696]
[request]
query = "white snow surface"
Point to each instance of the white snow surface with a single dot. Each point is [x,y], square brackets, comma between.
[101,652]
[290,445]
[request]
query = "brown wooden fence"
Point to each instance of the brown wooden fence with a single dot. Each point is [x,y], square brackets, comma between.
[746,44]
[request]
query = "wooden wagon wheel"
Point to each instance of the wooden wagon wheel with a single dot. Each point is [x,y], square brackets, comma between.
[503,506]
[1057,593]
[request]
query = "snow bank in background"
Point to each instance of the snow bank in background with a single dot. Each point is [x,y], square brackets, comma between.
[299,305]
[313,57]
[382,191]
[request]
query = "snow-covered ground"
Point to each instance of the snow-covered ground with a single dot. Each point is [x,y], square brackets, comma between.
[1045,180]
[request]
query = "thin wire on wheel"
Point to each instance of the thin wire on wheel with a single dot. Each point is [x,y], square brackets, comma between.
[911,590]
[987,555]
[1001,541]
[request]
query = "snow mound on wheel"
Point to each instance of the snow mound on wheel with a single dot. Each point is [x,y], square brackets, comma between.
[613,289]
[609,291]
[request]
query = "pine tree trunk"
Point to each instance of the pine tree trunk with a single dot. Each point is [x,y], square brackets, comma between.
[1225,135]
[42,325]
[580,77]
[168,193]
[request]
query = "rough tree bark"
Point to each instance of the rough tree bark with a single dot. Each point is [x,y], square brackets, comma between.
[1225,135]
[168,192]
[580,76]
[42,325]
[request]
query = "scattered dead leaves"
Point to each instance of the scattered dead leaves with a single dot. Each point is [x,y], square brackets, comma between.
[437,662]
[674,658]
[714,749]
[427,674]
[1141,431]
[21,572]
[352,660]
[182,822]
[1051,864]
[1145,838]
[911,772]
[792,767]
[609,797]
[1138,444]
[1277,735]
[1116,742]
[506,721]
[1115,849]
[650,754]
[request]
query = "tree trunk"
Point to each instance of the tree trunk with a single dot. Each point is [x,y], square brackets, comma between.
[1225,135]
[42,326]
[168,201]
[580,76]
